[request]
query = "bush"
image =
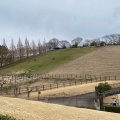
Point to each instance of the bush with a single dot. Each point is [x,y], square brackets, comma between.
[102,43]
[6,117]
[93,43]
[102,87]
[115,109]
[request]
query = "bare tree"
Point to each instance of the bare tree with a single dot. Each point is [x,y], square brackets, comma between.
[106,38]
[76,41]
[20,49]
[118,42]
[64,44]
[3,53]
[53,43]
[111,39]
[39,47]
[13,50]
[27,48]
[97,41]
[87,42]
[44,46]
[114,38]
[34,48]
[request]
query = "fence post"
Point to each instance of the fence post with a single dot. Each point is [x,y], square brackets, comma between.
[85,77]
[75,82]
[105,78]
[12,77]
[50,86]
[36,88]
[86,81]
[9,89]
[6,90]
[43,87]
[81,81]
[39,92]
[100,77]
[91,80]
[29,90]
[57,85]
[64,84]
[69,83]
[15,79]
[115,77]
[19,91]
[23,77]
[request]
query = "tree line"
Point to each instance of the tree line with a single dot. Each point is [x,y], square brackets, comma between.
[24,50]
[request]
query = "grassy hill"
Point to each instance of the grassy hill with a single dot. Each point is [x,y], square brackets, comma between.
[49,61]
[105,62]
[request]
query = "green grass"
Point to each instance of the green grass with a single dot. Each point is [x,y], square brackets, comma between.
[6,117]
[44,63]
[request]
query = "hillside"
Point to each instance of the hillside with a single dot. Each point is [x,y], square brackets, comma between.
[105,61]
[33,110]
[47,61]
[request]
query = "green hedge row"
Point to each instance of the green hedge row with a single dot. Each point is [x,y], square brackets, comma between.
[6,117]
[115,109]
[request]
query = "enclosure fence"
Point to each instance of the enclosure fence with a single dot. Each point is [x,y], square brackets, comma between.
[17,84]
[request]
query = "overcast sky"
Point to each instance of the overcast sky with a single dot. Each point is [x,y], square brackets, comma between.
[62,19]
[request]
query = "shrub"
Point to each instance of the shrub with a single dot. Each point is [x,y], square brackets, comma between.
[115,109]
[102,87]
[93,43]
[6,117]
[102,43]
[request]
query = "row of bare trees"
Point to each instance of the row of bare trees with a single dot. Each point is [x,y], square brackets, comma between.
[21,51]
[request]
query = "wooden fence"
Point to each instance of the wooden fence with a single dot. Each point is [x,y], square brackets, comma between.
[14,87]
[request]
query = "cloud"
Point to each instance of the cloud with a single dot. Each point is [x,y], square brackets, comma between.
[63,19]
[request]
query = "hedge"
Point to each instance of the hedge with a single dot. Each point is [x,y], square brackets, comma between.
[6,117]
[115,109]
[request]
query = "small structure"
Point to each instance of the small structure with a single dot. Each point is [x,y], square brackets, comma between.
[114,101]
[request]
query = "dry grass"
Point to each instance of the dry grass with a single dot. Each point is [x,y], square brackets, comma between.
[32,110]
[109,99]
[104,61]
[74,90]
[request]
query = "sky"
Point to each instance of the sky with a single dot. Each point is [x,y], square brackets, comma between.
[61,19]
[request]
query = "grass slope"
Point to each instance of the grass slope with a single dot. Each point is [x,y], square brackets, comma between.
[34,110]
[105,62]
[44,63]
